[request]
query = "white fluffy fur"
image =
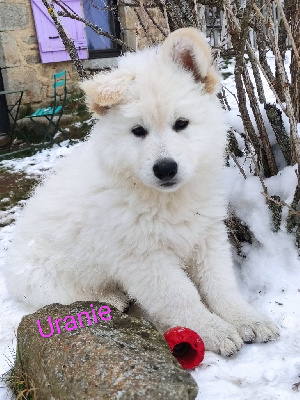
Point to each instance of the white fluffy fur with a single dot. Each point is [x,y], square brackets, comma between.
[101,227]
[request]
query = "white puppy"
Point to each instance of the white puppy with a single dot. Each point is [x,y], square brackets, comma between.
[138,209]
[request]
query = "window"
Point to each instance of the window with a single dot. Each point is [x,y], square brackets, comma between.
[99,12]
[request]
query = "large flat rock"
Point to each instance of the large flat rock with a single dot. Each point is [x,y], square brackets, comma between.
[120,358]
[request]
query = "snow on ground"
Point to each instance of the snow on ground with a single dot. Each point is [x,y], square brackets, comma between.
[39,163]
[269,278]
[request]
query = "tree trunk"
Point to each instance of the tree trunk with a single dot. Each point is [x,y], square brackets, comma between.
[295,64]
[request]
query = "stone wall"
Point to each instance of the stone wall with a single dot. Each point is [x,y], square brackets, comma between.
[20,62]
[133,33]
[19,56]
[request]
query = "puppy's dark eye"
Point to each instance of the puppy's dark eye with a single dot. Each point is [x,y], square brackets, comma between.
[139,131]
[180,124]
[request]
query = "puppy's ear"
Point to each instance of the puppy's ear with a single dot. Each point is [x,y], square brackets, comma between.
[105,90]
[187,47]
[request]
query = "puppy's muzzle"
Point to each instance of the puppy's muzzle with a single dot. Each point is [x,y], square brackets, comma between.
[165,170]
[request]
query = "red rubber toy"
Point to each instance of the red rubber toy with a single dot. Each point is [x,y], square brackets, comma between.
[185,345]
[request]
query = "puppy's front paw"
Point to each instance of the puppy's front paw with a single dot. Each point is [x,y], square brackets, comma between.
[256,329]
[221,338]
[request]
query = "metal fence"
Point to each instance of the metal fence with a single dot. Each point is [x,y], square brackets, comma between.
[216,26]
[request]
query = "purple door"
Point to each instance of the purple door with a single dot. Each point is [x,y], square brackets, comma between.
[51,46]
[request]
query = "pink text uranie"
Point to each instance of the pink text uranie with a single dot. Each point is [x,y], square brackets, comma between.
[69,323]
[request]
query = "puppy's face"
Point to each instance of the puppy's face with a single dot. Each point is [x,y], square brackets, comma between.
[159,113]
[166,129]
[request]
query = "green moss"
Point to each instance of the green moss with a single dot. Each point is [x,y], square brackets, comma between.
[226,75]
[76,105]
[25,111]
[80,129]
[225,62]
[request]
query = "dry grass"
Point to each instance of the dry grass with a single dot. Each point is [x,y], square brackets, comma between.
[20,382]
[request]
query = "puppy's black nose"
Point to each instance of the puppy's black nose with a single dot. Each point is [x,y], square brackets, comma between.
[165,169]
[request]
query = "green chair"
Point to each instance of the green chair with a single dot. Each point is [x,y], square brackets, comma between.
[55,111]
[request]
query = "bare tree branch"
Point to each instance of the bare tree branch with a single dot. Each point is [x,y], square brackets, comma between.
[289,32]
[68,12]
[67,41]
[154,22]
